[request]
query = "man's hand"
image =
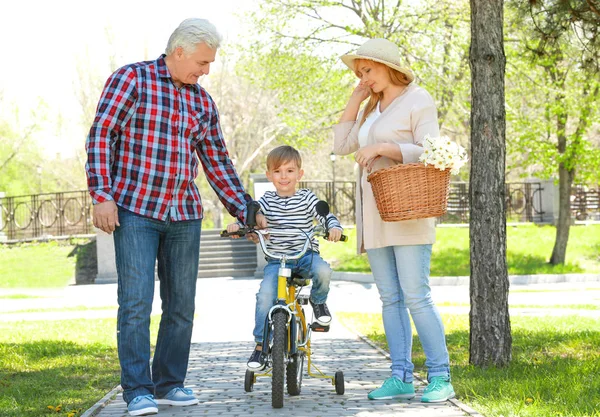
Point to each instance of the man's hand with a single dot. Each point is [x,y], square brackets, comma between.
[232,228]
[334,234]
[106,216]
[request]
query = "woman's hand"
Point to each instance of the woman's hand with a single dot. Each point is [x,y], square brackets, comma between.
[366,156]
[361,92]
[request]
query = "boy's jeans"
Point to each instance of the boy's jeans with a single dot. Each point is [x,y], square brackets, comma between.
[402,277]
[139,242]
[319,271]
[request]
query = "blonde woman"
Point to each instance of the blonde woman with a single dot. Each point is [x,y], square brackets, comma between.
[390,130]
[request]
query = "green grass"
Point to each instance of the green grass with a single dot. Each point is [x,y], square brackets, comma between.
[554,368]
[67,363]
[36,265]
[528,250]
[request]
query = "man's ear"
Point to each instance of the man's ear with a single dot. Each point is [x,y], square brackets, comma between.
[179,52]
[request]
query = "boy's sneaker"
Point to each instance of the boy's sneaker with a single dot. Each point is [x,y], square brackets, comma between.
[393,388]
[179,397]
[322,314]
[439,389]
[256,361]
[142,405]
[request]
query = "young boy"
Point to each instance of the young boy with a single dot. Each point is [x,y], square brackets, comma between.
[288,209]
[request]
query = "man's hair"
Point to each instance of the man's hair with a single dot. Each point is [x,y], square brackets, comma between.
[192,32]
[281,155]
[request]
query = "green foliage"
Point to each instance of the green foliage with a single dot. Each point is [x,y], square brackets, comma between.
[552,372]
[553,91]
[432,36]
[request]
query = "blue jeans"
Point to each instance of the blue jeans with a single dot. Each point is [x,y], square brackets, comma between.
[319,271]
[402,277]
[139,242]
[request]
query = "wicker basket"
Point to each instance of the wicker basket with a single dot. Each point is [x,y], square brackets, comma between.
[410,191]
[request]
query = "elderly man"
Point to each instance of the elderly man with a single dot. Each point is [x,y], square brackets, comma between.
[152,124]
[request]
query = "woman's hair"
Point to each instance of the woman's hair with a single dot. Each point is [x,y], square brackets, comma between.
[281,155]
[396,78]
[192,32]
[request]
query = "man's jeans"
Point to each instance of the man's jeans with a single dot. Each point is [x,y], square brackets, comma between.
[402,277]
[319,271]
[139,242]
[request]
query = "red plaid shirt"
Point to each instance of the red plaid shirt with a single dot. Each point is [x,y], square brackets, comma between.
[143,144]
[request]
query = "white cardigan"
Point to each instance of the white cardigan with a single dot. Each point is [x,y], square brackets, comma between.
[405,122]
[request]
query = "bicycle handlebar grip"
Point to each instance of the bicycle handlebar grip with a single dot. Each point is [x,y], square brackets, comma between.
[252,209]
[344,238]
[239,233]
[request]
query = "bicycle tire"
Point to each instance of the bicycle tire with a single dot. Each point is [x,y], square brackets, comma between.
[249,381]
[278,352]
[295,367]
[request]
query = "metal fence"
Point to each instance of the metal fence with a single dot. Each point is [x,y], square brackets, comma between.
[585,203]
[523,203]
[69,213]
[45,215]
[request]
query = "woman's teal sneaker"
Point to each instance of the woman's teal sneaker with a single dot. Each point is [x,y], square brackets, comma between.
[393,388]
[439,390]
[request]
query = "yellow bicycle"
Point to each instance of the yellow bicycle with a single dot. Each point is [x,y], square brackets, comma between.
[287,335]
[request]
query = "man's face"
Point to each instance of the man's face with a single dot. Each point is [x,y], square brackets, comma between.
[189,68]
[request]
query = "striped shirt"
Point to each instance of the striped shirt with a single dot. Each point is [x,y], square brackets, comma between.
[291,214]
[145,142]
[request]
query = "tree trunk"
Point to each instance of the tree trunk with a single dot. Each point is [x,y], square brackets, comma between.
[490,337]
[565,183]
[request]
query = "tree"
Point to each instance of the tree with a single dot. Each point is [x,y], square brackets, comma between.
[490,337]
[559,40]
[432,36]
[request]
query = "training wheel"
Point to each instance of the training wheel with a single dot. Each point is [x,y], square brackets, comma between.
[249,381]
[339,382]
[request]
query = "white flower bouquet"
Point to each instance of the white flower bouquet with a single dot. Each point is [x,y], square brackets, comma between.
[443,153]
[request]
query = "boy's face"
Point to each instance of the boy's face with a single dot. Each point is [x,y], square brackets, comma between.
[285,177]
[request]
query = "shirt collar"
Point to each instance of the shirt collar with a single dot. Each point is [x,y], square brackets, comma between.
[163,71]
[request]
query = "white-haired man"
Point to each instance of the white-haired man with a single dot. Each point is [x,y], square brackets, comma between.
[152,124]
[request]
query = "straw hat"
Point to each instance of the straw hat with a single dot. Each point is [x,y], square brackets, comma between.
[382,51]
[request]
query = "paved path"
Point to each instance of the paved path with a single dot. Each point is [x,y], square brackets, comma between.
[221,347]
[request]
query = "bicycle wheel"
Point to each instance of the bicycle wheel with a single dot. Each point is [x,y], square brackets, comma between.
[295,367]
[278,352]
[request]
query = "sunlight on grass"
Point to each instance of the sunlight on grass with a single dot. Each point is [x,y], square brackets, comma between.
[553,371]
[528,250]
[76,359]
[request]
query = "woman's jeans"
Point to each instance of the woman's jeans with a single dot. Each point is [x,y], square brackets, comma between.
[139,242]
[402,277]
[318,270]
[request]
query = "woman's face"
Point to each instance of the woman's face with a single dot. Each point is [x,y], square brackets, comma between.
[373,75]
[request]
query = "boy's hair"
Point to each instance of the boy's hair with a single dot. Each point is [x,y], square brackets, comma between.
[282,154]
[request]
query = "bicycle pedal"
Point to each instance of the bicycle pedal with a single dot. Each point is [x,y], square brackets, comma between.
[316,327]
[303,299]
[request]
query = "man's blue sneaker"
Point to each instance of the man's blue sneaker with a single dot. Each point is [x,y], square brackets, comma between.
[439,390]
[393,388]
[142,405]
[178,397]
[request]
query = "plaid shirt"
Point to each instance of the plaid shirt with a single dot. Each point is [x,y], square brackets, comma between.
[141,147]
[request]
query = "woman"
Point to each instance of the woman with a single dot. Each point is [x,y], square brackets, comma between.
[390,130]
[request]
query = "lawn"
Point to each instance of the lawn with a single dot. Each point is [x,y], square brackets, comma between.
[36,265]
[68,364]
[554,368]
[528,250]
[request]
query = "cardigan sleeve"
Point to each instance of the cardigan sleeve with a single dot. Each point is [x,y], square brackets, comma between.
[345,136]
[423,121]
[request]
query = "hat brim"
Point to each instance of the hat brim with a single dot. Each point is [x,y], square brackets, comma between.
[349,61]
